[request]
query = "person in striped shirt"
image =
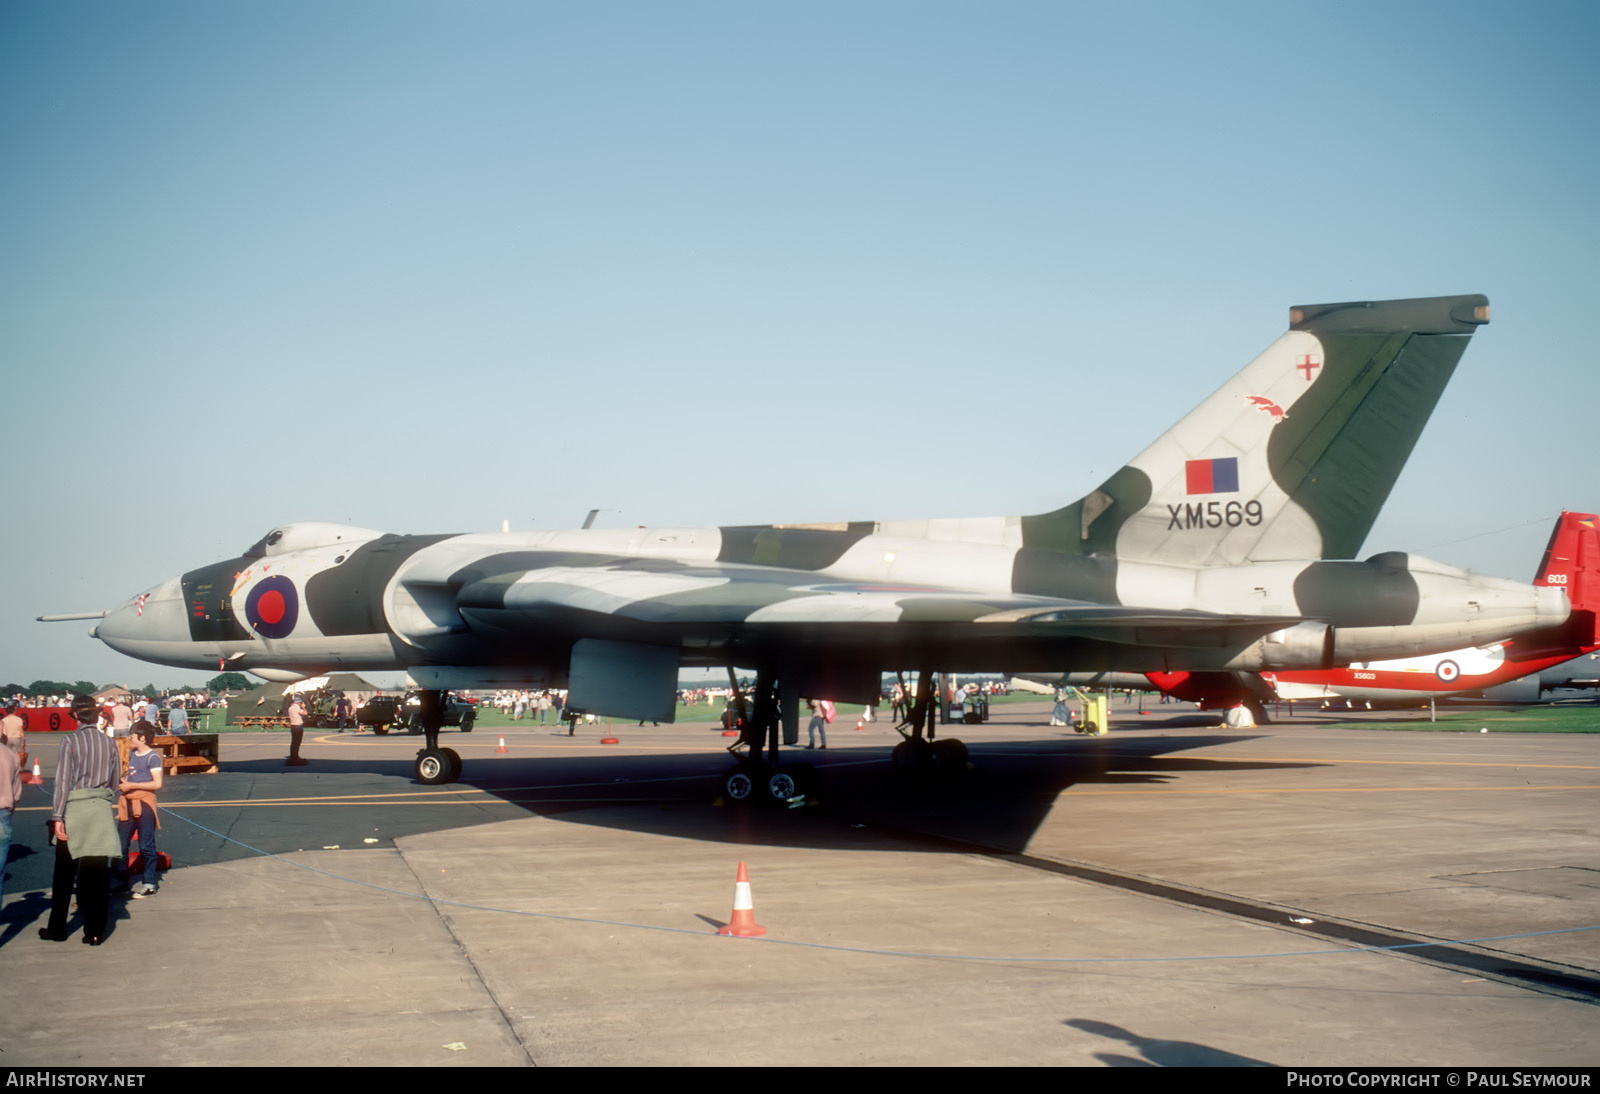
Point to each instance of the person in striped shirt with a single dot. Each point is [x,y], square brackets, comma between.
[86,774]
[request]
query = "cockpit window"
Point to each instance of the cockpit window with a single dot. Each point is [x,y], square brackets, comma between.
[305,535]
[259,547]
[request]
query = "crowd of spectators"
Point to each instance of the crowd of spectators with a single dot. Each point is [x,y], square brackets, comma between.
[120,710]
[518,705]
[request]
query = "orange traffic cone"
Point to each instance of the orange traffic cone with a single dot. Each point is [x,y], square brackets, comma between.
[860,724]
[502,747]
[35,778]
[743,924]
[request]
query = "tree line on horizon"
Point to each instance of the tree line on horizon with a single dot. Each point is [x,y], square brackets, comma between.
[227,681]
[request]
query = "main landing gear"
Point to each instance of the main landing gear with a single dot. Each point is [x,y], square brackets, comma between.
[920,753]
[758,776]
[435,765]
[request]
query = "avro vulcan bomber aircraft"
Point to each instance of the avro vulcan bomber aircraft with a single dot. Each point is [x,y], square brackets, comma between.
[1226,544]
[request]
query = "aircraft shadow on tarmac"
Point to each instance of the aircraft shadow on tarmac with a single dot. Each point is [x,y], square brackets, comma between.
[861,801]
[353,800]
[1011,787]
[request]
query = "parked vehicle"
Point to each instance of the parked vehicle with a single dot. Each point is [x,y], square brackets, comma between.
[383,712]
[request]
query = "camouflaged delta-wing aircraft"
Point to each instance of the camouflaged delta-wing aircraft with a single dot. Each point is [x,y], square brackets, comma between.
[1220,546]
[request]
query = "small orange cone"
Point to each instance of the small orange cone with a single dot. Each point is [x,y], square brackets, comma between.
[502,747]
[743,924]
[35,778]
[860,724]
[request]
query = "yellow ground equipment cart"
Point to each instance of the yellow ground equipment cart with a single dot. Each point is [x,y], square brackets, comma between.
[1096,720]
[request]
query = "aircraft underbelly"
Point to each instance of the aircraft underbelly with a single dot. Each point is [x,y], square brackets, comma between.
[351,652]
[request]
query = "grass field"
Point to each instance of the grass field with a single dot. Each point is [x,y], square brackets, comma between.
[1572,716]
[490,718]
[1580,716]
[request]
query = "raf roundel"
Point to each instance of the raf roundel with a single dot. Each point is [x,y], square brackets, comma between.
[273,607]
[1447,670]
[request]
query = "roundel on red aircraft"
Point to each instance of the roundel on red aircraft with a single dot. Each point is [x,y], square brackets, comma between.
[1447,670]
[273,607]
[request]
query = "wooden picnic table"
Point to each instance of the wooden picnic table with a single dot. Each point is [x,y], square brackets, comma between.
[191,754]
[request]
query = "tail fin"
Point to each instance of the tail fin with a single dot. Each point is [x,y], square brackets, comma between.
[1290,459]
[1572,562]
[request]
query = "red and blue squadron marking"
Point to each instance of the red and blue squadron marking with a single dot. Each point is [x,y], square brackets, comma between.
[273,607]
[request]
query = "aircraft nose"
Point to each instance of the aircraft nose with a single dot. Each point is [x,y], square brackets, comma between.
[154,616]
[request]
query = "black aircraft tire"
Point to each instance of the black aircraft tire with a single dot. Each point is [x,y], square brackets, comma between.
[910,755]
[783,785]
[382,731]
[434,766]
[950,753]
[455,763]
[740,785]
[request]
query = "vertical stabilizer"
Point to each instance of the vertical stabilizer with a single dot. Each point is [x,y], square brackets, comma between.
[1290,459]
[1572,562]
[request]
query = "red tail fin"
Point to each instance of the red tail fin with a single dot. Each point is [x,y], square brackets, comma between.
[1572,562]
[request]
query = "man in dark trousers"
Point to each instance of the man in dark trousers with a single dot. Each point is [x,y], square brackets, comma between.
[297,730]
[86,774]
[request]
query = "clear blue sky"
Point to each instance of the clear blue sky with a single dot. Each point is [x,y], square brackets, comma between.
[427,266]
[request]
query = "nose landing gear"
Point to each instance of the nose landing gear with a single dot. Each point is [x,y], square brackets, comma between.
[438,765]
[434,765]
